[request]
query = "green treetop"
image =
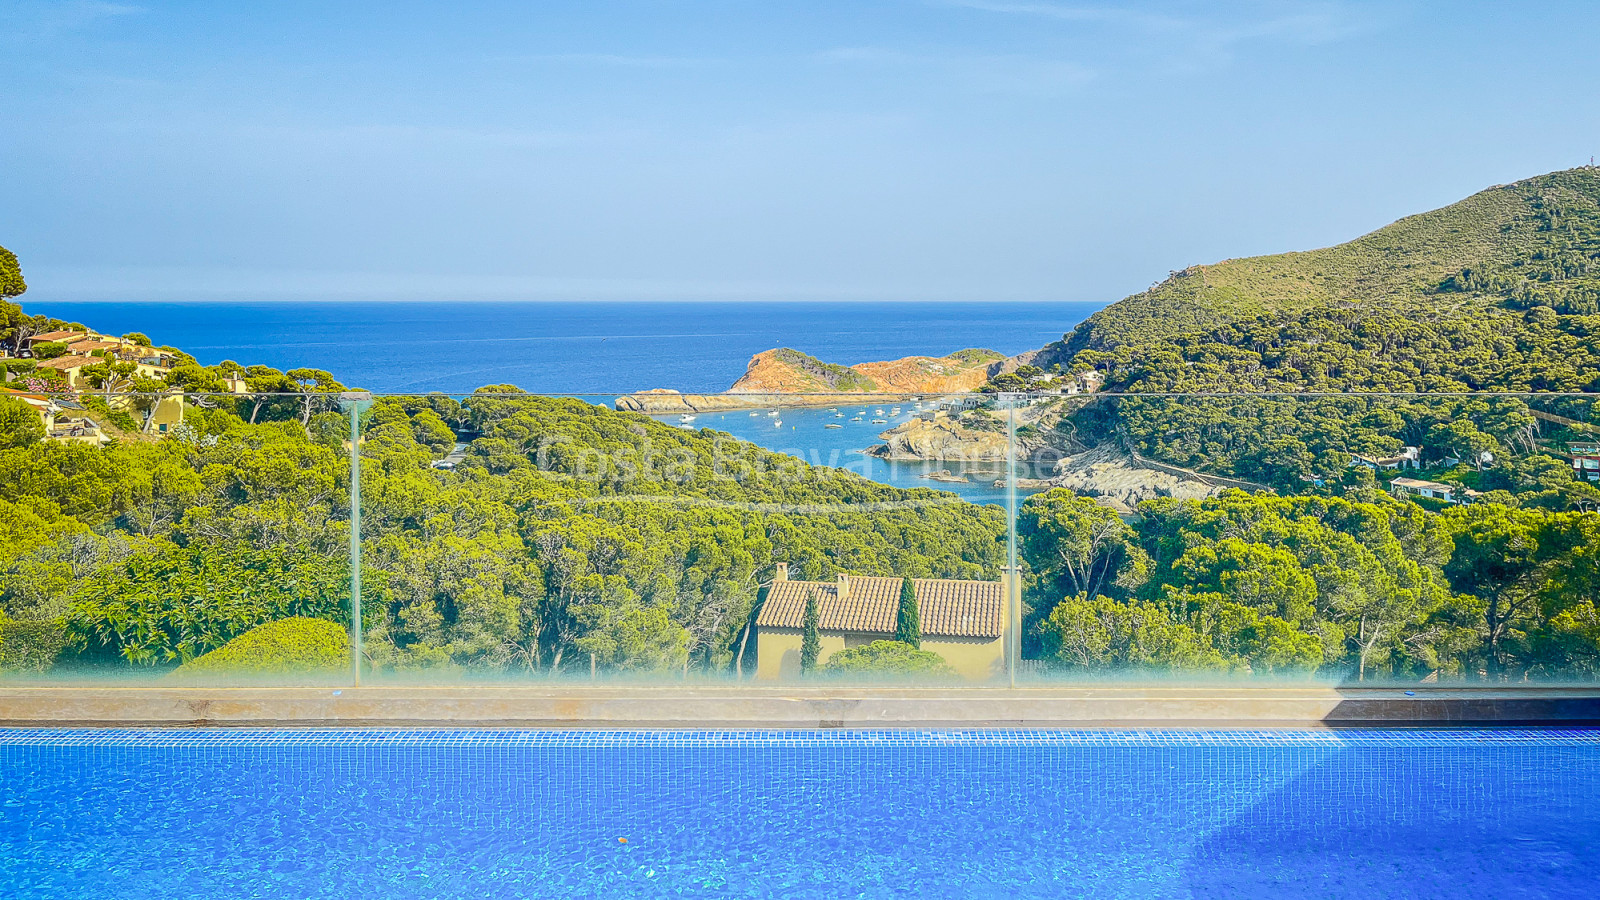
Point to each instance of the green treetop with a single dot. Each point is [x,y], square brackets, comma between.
[11,283]
[907,623]
[811,642]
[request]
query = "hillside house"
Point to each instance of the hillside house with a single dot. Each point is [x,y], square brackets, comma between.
[962,621]
[1408,458]
[63,420]
[1416,487]
[73,425]
[54,337]
[71,368]
[1585,461]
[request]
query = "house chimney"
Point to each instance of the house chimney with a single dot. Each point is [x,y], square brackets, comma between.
[783,572]
[842,588]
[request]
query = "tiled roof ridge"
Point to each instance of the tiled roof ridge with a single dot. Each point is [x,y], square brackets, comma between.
[947,607]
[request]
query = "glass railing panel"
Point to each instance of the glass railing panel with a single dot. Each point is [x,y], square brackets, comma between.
[175,537]
[660,539]
[641,539]
[1356,539]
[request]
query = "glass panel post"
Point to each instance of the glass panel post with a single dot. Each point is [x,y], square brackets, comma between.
[354,402]
[1013,577]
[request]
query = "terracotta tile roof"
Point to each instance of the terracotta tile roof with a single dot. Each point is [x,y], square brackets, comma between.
[947,608]
[56,336]
[68,362]
[86,347]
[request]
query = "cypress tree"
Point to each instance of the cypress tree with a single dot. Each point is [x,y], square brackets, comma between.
[811,639]
[907,623]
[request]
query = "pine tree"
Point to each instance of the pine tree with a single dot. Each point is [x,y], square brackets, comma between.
[811,639]
[907,623]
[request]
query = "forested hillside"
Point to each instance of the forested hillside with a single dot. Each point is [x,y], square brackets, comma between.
[571,535]
[1498,292]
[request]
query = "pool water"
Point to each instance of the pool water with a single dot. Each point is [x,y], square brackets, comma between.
[490,814]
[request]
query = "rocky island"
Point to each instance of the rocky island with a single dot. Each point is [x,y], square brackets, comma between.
[793,378]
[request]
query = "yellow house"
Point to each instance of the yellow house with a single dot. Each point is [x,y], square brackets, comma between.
[962,621]
[168,413]
[71,368]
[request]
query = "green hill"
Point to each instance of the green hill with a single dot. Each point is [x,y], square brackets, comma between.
[1498,292]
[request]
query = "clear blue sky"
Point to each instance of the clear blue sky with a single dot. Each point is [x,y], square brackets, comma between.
[873,149]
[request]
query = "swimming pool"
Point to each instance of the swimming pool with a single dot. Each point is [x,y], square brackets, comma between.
[489,814]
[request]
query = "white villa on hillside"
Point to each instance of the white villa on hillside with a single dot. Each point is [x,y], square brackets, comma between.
[1434,490]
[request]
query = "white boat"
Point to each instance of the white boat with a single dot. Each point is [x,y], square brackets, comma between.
[686,418]
[772,412]
[895,411]
[777,421]
[833,425]
[838,415]
[755,414]
[833,409]
[880,421]
[877,412]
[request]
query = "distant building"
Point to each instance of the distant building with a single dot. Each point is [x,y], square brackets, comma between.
[76,427]
[54,337]
[1416,487]
[1585,461]
[1083,383]
[71,368]
[63,420]
[962,621]
[89,346]
[1409,458]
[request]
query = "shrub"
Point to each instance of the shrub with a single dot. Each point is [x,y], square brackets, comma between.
[888,658]
[298,645]
[29,646]
[20,425]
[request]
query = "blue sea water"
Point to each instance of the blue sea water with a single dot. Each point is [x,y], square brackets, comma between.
[567,348]
[400,815]
[803,432]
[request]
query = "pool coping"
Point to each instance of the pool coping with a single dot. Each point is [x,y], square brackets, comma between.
[782,708]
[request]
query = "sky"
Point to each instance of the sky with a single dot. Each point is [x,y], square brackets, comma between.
[752,149]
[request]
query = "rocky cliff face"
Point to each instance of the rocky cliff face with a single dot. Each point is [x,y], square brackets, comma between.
[785,371]
[941,440]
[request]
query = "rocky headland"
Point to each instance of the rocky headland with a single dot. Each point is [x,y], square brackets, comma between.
[791,378]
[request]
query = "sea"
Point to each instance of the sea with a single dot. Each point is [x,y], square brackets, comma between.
[600,350]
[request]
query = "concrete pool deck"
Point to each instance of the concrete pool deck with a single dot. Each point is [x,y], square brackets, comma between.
[791,707]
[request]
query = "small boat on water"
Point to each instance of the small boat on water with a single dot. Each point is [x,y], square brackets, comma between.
[877,412]
[895,411]
[838,415]
[777,421]
[755,414]
[833,425]
[833,409]
[772,412]
[686,418]
[858,419]
[880,421]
